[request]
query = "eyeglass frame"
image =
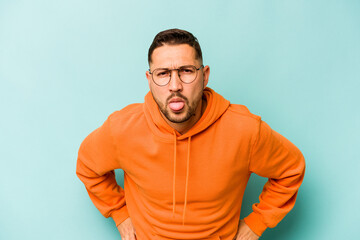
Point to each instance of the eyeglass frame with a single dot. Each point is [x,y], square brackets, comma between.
[177,69]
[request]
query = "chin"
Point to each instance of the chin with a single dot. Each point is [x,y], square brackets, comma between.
[178,117]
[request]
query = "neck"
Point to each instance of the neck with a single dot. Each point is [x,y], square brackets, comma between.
[186,126]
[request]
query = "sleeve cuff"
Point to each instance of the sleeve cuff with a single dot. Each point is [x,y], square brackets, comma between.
[120,215]
[255,223]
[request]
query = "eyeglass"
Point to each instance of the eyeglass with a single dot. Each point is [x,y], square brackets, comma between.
[162,76]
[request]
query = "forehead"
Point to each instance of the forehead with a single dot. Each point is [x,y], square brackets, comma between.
[173,56]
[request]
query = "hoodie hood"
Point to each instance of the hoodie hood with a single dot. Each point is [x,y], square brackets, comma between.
[216,106]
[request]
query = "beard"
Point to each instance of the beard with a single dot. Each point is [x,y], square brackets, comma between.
[190,108]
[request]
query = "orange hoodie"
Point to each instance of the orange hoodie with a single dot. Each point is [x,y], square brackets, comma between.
[189,186]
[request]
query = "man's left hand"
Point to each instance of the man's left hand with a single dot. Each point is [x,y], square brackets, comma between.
[245,233]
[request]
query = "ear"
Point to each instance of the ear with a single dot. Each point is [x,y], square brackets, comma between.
[148,76]
[206,74]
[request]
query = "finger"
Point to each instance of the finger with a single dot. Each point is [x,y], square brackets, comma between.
[132,236]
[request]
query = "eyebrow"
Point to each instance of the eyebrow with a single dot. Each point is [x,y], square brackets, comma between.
[189,65]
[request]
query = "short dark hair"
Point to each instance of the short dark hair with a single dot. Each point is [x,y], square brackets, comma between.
[175,37]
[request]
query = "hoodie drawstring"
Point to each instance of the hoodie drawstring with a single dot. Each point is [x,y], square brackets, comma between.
[187,176]
[174,176]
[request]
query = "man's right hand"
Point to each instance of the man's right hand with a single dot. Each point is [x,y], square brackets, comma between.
[127,230]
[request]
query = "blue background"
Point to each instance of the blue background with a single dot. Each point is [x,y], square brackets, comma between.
[66,65]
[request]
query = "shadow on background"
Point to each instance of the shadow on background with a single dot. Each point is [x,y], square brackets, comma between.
[119,175]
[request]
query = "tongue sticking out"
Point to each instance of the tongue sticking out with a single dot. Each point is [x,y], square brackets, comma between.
[176,106]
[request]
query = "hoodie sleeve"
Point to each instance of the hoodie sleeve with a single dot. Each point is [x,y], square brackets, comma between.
[95,168]
[274,157]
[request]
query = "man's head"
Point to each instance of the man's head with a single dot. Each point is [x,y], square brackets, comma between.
[175,37]
[179,99]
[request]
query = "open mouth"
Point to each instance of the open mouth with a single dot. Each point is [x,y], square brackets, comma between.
[176,104]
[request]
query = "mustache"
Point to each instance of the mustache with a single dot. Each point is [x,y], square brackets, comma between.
[179,95]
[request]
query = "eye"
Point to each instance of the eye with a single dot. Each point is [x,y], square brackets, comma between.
[187,70]
[161,73]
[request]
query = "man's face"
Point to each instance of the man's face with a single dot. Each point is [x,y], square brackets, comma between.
[178,101]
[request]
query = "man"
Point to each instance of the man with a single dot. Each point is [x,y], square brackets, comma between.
[187,154]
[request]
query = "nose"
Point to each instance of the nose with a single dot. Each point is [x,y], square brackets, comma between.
[175,83]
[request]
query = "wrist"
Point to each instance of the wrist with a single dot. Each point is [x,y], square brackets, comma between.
[120,215]
[255,223]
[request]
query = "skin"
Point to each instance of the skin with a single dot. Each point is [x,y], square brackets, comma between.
[127,230]
[244,232]
[172,57]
